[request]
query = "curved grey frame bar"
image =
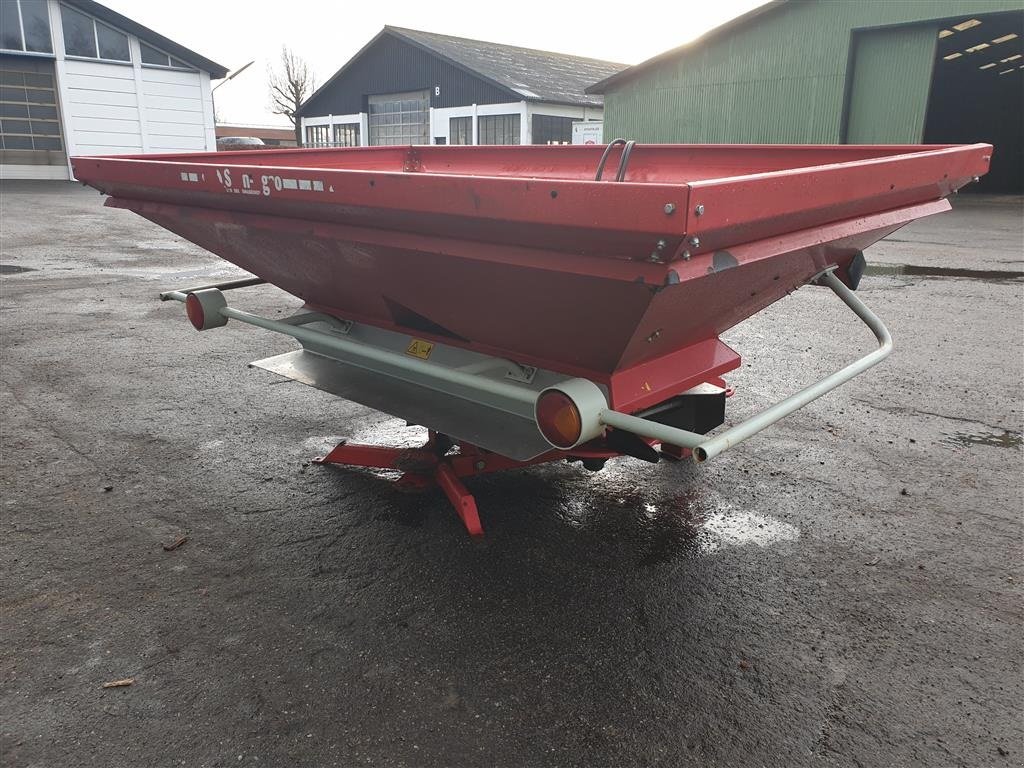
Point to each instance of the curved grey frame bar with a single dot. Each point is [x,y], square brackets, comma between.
[705,448]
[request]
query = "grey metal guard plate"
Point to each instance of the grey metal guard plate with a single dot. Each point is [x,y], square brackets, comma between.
[513,436]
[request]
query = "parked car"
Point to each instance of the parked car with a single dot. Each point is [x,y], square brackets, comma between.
[229,143]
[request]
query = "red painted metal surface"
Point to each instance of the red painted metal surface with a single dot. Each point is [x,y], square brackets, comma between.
[517,252]
[489,193]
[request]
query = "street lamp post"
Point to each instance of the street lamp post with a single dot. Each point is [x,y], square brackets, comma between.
[233,75]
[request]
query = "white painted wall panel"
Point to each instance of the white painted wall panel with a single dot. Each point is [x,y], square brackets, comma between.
[173,76]
[100,83]
[189,117]
[102,108]
[101,98]
[174,106]
[107,139]
[85,150]
[160,128]
[124,109]
[107,125]
[177,143]
[177,90]
[111,111]
[99,69]
[169,102]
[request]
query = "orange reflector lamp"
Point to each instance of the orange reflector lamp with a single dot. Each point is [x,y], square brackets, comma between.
[559,419]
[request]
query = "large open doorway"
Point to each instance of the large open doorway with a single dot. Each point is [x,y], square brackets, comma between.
[977,94]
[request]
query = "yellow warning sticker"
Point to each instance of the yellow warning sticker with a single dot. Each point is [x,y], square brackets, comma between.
[419,348]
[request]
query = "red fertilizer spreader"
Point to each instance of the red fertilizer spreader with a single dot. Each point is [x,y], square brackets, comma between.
[531,304]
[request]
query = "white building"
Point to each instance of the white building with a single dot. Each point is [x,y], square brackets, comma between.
[77,78]
[411,87]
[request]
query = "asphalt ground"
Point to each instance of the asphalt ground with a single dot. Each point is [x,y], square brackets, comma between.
[843,589]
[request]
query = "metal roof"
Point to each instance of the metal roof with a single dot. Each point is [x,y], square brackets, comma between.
[530,74]
[525,73]
[178,51]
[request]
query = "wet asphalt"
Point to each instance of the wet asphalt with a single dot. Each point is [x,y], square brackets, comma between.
[842,590]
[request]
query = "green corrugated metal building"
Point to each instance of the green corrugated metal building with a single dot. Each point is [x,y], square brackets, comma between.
[839,71]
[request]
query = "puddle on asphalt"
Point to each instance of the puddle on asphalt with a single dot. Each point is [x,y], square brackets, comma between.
[909,270]
[11,269]
[691,524]
[1005,439]
[618,504]
[737,528]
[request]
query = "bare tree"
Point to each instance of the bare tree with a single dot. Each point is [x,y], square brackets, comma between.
[289,87]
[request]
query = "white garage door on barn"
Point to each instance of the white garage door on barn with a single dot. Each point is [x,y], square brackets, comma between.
[119,88]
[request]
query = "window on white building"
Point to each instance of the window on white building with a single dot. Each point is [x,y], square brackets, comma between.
[346,134]
[497,129]
[399,118]
[153,57]
[318,136]
[25,26]
[460,130]
[548,129]
[91,39]
[28,106]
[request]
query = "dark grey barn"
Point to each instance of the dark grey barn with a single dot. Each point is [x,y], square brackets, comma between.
[411,87]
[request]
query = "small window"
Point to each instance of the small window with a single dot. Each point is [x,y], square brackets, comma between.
[151,55]
[16,142]
[10,27]
[15,126]
[43,112]
[86,37]
[28,112]
[460,130]
[25,26]
[346,134]
[9,93]
[35,21]
[399,118]
[21,110]
[498,129]
[79,35]
[548,129]
[113,44]
[318,136]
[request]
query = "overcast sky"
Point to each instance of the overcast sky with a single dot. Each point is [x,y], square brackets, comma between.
[328,32]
